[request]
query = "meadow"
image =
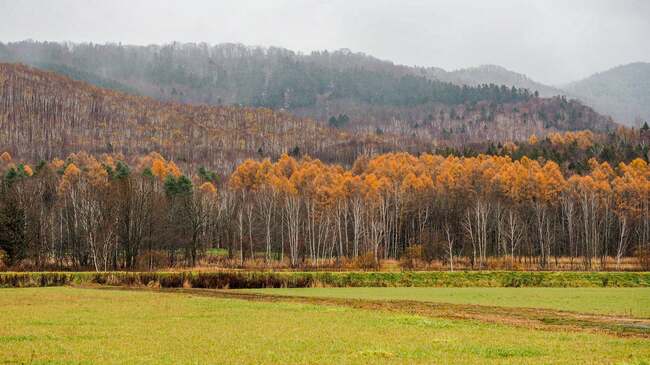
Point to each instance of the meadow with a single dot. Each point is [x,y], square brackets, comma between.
[67,325]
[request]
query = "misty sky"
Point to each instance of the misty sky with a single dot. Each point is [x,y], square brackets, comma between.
[552,41]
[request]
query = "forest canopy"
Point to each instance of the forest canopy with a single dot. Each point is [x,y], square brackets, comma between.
[104,213]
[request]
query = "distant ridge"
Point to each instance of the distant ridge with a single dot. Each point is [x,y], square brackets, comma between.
[493,74]
[623,92]
[351,92]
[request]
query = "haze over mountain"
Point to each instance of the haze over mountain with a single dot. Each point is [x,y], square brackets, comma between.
[623,92]
[492,74]
[547,43]
[352,91]
[551,41]
[45,115]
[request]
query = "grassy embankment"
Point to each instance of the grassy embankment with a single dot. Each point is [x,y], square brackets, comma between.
[243,280]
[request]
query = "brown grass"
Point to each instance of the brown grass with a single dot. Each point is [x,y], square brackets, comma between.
[158,261]
[413,262]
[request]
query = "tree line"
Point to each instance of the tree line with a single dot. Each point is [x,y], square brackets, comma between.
[107,213]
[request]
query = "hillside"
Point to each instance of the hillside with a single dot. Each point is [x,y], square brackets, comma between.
[493,74]
[44,115]
[236,74]
[370,94]
[623,92]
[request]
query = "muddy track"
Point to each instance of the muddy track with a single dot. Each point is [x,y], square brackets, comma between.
[544,319]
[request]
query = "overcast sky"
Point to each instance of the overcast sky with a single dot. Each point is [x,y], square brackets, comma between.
[552,41]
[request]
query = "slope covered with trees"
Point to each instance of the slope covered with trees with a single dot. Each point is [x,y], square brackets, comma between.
[374,95]
[623,92]
[254,76]
[493,74]
[44,115]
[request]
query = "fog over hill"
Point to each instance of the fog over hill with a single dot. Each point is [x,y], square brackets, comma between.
[493,74]
[622,92]
[346,90]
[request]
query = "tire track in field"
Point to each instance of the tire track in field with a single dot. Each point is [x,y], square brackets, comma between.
[536,318]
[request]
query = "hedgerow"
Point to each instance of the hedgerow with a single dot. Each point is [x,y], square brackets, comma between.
[261,279]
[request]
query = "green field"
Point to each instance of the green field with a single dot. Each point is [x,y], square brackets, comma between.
[66,325]
[611,301]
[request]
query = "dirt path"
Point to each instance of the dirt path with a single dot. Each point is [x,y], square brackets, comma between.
[545,319]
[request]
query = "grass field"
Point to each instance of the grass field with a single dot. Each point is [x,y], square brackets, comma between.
[612,301]
[66,325]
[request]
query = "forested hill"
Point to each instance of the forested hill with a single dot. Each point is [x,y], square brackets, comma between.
[623,92]
[253,76]
[44,115]
[352,91]
[493,74]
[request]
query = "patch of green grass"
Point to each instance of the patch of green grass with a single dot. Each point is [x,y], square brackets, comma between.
[72,326]
[217,252]
[611,301]
[505,352]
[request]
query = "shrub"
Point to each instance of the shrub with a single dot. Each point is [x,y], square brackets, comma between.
[365,261]
[413,257]
[152,260]
[643,255]
[3,260]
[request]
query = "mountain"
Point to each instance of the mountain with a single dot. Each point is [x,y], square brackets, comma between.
[354,98]
[44,115]
[492,74]
[234,74]
[237,74]
[623,92]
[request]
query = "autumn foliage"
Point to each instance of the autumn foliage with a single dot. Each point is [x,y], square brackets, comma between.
[44,115]
[107,212]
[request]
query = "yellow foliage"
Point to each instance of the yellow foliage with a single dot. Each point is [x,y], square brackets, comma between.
[173,170]
[582,139]
[70,176]
[404,180]
[71,171]
[158,168]
[245,176]
[5,157]
[556,139]
[285,166]
[208,188]
[57,164]
[161,169]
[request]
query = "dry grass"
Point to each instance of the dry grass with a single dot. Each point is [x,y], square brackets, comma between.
[158,261]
